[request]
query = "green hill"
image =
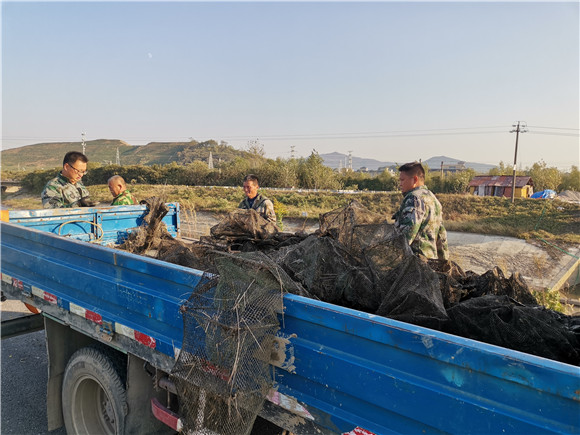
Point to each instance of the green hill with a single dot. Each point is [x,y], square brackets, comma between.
[50,155]
[104,151]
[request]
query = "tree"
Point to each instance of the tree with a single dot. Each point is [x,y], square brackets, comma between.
[256,153]
[385,181]
[500,169]
[232,173]
[314,175]
[196,173]
[457,182]
[571,180]
[388,180]
[279,173]
[544,177]
[173,173]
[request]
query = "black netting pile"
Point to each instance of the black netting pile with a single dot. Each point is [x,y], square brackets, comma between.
[247,231]
[152,232]
[222,373]
[355,260]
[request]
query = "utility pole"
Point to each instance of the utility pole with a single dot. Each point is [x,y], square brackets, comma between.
[520,128]
[118,158]
[292,149]
[83,139]
[350,161]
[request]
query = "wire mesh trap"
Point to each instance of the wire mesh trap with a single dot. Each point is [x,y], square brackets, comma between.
[356,260]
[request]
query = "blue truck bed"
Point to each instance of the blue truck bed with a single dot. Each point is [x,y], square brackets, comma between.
[338,370]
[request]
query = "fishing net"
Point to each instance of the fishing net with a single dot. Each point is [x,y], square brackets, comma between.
[152,230]
[230,321]
[502,321]
[346,224]
[355,260]
[244,224]
[247,231]
[324,268]
[359,261]
[457,285]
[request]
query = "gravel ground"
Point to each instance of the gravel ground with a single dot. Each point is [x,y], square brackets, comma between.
[24,377]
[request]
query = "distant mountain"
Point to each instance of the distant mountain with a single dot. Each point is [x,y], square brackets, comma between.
[434,164]
[50,155]
[336,160]
[104,151]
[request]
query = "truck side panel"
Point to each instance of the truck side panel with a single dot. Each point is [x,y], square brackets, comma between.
[122,291]
[336,369]
[106,224]
[385,375]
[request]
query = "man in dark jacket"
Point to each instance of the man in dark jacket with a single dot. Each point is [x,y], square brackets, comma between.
[256,201]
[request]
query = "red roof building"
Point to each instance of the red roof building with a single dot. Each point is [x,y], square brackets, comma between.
[501,185]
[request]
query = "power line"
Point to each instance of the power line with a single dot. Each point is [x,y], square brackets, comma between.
[436,131]
[554,128]
[378,132]
[344,135]
[555,134]
[363,136]
[277,136]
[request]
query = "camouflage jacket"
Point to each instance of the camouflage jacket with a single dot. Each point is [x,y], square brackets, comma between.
[61,193]
[262,205]
[124,198]
[420,218]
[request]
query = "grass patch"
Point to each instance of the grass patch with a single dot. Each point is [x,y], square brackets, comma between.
[551,220]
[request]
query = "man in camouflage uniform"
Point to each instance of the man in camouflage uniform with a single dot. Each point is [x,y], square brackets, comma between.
[118,188]
[257,201]
[420,217]
[67,190]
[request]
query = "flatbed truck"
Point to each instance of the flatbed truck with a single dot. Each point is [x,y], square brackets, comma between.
[114,329]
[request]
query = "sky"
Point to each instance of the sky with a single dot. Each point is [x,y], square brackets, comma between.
[394,81]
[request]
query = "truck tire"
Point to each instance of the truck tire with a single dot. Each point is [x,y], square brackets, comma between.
[94,399]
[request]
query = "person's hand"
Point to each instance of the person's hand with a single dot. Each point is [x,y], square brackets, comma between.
[87,202]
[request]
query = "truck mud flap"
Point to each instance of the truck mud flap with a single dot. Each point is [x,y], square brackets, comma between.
[21,325]
[166,416]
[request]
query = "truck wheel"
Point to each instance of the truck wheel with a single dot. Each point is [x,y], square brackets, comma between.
[94,399]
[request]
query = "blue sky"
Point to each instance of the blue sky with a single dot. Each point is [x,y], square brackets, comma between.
[394,81]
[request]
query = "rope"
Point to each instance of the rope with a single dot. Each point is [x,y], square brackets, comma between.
[98,226]
[543,211]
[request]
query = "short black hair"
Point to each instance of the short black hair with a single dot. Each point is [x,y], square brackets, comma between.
[251,177]
[72,156]
[412,169]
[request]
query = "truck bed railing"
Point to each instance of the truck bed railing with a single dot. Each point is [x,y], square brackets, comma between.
[334,368]
[90,224]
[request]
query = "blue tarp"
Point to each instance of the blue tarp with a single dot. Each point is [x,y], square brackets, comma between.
[546,194]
